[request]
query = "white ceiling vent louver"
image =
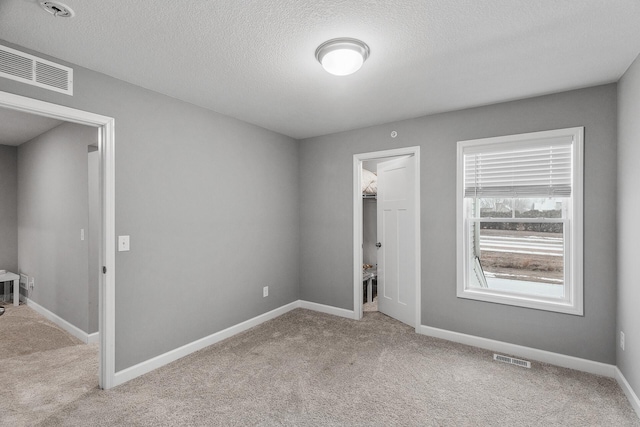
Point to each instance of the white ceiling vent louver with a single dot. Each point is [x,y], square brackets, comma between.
[25,68]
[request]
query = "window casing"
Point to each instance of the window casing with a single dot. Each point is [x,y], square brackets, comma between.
[519,212]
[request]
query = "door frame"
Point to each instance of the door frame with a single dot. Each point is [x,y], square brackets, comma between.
[106,149]
[357,225]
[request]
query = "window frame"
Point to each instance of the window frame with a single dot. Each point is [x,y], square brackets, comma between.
[573,302]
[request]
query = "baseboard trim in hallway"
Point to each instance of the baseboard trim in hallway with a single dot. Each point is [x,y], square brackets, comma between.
[72,329]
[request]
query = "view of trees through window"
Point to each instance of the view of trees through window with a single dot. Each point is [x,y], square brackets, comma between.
[531,250]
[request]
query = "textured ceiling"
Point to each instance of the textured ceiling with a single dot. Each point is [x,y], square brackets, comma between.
[17,127]
[254,59]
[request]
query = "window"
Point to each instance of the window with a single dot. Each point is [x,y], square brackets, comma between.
[520,220]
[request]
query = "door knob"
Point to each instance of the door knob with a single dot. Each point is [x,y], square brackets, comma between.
[378,245]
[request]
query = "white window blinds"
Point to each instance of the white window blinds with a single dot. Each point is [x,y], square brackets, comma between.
[524,169]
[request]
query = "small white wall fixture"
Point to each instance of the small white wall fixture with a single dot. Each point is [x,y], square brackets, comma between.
[357,225]
[106,148]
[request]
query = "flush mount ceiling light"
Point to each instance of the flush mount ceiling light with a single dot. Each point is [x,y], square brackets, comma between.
[58,10]
[342,57]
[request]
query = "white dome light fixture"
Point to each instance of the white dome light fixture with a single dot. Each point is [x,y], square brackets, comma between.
[343,56]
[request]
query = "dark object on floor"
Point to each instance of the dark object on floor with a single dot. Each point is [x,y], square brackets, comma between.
[374,290]
[1,311]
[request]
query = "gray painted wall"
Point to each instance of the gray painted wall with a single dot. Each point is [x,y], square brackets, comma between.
[326,219]
[8,209]
[211,205]
[53,207]
[628,226]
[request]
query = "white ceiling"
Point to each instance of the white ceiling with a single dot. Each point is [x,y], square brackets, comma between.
[17,127]
[254,59]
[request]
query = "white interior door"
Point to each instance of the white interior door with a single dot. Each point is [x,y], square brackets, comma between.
[396,237]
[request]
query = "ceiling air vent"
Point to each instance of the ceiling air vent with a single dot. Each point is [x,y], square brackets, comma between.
[25,68]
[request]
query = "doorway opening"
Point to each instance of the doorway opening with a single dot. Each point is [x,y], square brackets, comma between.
[392,259]
[106,214]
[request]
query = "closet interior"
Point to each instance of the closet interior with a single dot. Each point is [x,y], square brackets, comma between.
[369,236]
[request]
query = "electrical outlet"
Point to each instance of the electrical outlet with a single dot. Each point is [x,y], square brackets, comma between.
[265,292]
[622,340]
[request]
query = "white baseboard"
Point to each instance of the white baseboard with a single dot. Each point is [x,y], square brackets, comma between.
[510,349]
[349,314]
[557,359]
[628,391]
[93,338]
[173,355]
[154,363]
[72,329]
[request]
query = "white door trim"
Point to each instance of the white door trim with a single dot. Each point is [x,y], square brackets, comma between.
[357,224]
[106,148]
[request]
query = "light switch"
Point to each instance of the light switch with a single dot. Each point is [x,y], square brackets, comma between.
[123,243]
[82,234]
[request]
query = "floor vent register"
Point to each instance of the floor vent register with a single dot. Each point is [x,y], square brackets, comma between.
[512,360]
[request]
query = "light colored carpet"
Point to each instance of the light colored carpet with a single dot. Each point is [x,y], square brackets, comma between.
[311,369]
[371,306]
[43,367]
[23,331]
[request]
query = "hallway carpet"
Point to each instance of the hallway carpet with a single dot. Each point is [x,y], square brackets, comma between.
[310,369]
[23,332]
[43,368]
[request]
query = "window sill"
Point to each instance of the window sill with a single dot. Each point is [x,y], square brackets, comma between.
[526,301]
